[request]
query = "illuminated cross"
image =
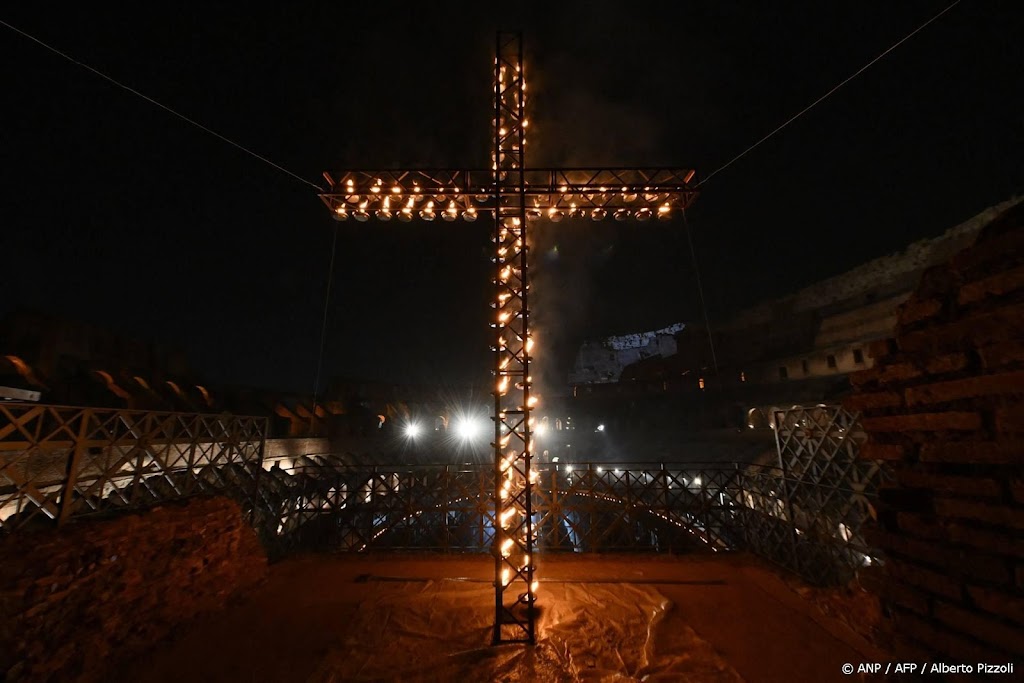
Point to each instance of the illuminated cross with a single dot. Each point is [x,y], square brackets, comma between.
[515,196]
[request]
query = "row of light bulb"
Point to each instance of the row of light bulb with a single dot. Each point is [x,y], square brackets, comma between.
[452,212]
[508,519]
[405,214]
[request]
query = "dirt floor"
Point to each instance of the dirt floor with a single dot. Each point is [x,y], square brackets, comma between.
[327,619]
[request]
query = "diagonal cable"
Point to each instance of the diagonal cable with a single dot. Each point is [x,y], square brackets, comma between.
[162,106]
[806,109]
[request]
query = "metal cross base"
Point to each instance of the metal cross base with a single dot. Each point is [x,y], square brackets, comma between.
[515,196]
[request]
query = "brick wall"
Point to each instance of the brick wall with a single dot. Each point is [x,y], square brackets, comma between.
[75,601]
[944,403]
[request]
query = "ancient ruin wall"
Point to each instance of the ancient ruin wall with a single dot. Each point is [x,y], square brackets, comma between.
[75,601]
[881,276]
[944,404]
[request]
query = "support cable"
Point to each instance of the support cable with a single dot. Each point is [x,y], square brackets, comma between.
[323,329]
[820,99]
[164,107]
[700,291]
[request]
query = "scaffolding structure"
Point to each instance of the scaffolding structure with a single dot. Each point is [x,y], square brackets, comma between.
[514,195]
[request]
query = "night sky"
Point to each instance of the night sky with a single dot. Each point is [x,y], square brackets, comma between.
[117,213]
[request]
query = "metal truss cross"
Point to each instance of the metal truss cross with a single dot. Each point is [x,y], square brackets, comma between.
[515,196]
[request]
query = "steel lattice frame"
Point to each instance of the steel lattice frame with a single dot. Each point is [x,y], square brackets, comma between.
[61,462]
[806,516]
[514,195]
[826,488]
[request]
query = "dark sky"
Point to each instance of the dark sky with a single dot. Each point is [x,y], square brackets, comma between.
[117,213]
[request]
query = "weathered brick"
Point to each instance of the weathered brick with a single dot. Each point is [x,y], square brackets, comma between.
[881,451]
[1005,636]
[1010,419]
[916,310]
[897,497]
[863,378]
[944,642]
[996,285]
[1001,354]
[950,362]
[1017,489]
[925,526]
[944,483]
[914,574]
[983,385]
[998,602]
[999,515]
[951,561]
[873,401]
[885,374]
[939,280]
[984,329]
[881,348]
[898,593]
[980,258]
[1004,452]
[924,422]
[1003,541]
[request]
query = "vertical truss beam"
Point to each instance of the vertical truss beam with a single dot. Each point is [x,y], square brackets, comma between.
[514,587]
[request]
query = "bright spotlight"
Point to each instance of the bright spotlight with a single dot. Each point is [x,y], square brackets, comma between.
[539,430]
[412,430]
[600,428]
[467,429]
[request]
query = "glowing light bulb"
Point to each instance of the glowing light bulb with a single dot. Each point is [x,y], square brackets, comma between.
[643,215]
[506,546]
[469,215]
[664,212]
[361,214]
[598,214]
[621,214]
[451,213]
[340,214]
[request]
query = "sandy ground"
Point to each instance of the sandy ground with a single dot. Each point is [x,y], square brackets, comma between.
[327,619]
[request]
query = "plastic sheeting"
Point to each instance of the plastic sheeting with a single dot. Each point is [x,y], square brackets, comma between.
[440,630]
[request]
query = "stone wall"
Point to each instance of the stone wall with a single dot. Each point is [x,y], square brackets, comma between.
[944,404]
[75,601]
[604,360]
[295,447]
[881,277]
